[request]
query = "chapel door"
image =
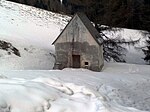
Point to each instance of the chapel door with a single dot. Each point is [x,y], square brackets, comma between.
[76,61]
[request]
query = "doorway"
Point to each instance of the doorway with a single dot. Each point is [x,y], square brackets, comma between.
[76,61]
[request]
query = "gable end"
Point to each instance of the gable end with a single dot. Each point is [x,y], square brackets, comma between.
[87,23]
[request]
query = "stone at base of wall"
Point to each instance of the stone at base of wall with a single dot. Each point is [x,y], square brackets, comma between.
[59,66]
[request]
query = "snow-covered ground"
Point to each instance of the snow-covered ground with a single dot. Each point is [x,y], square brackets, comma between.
[32,30]
[118,88]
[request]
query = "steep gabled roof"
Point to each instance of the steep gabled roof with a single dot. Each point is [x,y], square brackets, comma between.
[88,25]
[93,31]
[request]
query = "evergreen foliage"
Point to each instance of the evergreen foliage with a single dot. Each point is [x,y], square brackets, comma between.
[132,14]
[147,51]
[113,49]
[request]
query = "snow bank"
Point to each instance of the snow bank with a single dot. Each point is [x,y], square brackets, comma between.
[116,89]
[40,95]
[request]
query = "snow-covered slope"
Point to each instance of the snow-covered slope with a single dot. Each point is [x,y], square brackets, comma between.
[118,88]
[31,31]
[134,54]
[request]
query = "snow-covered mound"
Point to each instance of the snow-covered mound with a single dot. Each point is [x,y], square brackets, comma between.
[119,88]
[31,31]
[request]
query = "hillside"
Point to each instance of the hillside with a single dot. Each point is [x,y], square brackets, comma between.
[133,14]
[31,31]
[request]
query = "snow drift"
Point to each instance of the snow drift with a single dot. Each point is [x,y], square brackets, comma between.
[119,88]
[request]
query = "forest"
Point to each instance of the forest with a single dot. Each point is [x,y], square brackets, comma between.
[132,14]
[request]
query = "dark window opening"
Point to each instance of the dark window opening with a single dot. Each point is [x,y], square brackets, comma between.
[86,63]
